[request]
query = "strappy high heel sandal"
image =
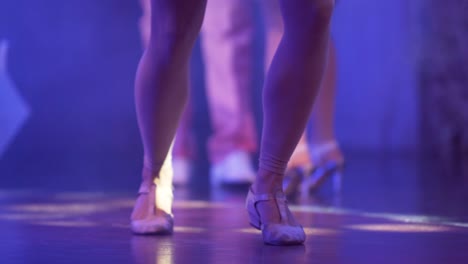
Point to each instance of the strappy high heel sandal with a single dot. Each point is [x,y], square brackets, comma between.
[324,168]
[286,232]
[299,167]
[293,179]
[152,213]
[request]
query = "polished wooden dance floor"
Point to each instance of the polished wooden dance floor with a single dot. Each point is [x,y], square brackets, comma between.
[80,227]
[390,211]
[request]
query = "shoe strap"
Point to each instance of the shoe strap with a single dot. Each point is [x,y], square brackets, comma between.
[280,201]
[268,196]
[324,148]
[145,186]
[318,152]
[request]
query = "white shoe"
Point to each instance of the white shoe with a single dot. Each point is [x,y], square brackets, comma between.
[236,168]
[182,169]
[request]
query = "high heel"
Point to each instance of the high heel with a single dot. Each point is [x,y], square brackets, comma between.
[152,213]
[325,168]
[293,178]
[287,232]
[299,167]
[320,174]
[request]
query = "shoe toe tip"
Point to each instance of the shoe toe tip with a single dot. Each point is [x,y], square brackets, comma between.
[151,226]
[283,235]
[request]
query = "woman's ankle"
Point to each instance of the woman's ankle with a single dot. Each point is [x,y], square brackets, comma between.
[267,182]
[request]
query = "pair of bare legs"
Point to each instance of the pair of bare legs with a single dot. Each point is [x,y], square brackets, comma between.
[292,83]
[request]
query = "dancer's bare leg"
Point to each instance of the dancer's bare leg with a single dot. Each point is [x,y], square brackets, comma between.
[274,29]
[183,150]
[322,139]
[291,86]
[161,91]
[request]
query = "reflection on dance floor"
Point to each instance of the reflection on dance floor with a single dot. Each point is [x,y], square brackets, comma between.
[94,227]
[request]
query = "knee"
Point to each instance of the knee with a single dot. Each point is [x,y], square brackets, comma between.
[309,14]
[274,24]
[174,33]
[322,10]
[173,38]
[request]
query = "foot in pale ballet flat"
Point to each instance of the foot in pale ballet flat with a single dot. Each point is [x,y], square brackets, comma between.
[147,219]
[152,214]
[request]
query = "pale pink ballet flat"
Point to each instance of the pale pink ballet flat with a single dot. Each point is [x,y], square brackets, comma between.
[146,218]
